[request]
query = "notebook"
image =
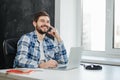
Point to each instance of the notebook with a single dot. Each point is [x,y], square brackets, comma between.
[73,59]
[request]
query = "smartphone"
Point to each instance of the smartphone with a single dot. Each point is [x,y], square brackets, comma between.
[50,36]
[49,29]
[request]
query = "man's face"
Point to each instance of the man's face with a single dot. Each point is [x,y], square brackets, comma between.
[43,24]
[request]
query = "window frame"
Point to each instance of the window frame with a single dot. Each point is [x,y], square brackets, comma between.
[109,52]
[110,5]
[109,34]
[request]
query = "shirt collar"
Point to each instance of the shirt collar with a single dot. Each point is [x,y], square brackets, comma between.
[36,38]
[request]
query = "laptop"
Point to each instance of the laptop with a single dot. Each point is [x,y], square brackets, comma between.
[73,59]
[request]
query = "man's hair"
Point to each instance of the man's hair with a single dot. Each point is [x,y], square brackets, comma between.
[39,14]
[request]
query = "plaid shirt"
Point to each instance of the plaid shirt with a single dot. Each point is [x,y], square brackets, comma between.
[28,51]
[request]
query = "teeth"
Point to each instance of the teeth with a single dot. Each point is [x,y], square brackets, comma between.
[44,26]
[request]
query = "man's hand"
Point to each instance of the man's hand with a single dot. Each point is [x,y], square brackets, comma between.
[50,64]
[55,34]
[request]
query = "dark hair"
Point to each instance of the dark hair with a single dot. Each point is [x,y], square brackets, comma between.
[38,14]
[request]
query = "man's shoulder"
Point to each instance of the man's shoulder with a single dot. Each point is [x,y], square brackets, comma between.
[30,34]
[27,36]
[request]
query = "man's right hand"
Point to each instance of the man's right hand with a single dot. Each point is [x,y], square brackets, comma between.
[49,64]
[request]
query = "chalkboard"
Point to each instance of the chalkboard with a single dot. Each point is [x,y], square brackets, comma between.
[16,16]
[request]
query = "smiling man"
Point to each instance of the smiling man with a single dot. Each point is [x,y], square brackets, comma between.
[36,50]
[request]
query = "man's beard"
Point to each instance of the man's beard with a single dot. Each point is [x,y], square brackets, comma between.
[40,31]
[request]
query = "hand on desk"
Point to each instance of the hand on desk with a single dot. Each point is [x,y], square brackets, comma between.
[49,64]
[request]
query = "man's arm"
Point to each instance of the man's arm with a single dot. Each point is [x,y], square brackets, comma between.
[22,57]
[60,51]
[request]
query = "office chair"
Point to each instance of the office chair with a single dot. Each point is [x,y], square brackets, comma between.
[9,51]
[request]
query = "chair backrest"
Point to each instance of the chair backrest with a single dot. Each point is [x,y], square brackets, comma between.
[9,51]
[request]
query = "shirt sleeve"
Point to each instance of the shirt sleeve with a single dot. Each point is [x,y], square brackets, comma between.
[60,52]
[22,57]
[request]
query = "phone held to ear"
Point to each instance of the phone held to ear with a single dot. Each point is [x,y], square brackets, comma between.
[49,30]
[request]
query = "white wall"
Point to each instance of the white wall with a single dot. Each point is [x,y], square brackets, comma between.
[66,17]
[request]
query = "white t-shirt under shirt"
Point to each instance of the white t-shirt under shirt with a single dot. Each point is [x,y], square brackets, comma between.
[42,56]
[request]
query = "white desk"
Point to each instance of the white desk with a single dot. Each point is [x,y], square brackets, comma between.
[107,73]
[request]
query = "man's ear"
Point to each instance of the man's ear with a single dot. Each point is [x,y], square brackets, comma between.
[34,23]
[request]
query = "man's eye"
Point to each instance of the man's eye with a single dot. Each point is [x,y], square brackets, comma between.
[48,21]
[42,20]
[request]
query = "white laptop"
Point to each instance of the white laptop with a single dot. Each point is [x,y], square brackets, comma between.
[73,59]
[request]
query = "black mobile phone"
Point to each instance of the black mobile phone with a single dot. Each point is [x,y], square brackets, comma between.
[50,36]
[49,29]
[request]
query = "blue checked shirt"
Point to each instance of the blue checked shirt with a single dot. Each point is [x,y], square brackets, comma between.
[28,51]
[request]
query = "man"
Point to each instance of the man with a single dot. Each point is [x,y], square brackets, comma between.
[36,50]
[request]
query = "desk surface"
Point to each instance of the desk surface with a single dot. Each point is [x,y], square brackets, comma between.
[107,73]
